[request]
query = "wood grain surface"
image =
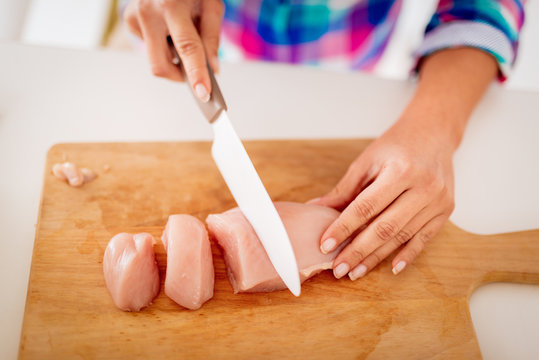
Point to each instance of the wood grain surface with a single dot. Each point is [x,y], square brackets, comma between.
[422,313]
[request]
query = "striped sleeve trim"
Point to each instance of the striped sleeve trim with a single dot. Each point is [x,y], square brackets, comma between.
[470,34]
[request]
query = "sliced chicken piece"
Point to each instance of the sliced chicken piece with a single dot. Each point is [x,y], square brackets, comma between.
[249,268]
[74,175]
[190,276]
[131,272]
[88,175]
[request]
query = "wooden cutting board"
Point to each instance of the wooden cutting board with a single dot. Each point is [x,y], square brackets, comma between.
[422,313]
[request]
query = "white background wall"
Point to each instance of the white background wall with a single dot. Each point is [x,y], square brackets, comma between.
[12,16]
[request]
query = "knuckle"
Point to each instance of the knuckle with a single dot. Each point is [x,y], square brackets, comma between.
[424,236]
[168,4]
[435,182]
[187,46]
[446,200]
[403,167]
[131,22]
[143,6]
[344,228]
[403,236]
[363,210]
[357,253]
[338,190]
[447,191]
[375,258]
[429,179]
[385,230]
[195,72]
[159,70]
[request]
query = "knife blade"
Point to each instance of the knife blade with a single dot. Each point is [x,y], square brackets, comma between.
[245,185]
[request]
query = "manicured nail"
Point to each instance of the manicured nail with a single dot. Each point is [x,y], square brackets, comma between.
[341,270]
[328,245]
[399,267]
[202,93]
[358,272]
[313,201]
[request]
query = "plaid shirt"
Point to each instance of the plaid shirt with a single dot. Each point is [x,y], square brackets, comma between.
[354,33]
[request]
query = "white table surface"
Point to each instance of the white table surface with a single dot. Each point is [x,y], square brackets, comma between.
[51,95]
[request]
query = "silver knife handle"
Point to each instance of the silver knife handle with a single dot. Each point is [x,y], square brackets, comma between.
[216,104]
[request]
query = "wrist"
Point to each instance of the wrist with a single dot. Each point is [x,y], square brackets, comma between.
[431,122]
[451,82]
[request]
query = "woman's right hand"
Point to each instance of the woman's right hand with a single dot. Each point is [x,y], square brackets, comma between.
[193,25]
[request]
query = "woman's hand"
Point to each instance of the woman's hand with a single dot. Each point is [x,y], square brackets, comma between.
[194,26]
[401,190]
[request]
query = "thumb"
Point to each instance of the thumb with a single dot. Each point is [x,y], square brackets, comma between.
[346,189]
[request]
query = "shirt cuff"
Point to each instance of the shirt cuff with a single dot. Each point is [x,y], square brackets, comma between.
[463,33]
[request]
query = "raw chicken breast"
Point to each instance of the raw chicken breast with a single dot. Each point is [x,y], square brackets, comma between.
[131,272]
[249,268]
[190,275]
[72,174]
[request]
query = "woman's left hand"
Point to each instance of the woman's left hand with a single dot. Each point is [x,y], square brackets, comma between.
[398,191]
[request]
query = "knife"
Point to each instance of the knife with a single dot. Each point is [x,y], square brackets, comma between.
[245,185]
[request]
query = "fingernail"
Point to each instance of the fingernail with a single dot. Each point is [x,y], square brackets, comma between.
[202,92]
[399,267]
[358,272]
[313,201]
[341,270]
[328,245]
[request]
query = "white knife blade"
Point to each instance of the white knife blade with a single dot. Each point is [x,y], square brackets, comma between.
[253,200]
[245,185]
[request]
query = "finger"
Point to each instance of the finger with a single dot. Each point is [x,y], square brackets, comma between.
[189,46]
[347,188]
[210,28]
[407,255]
[369,203]
[131,20]
[406,233]
[382,230]
[154,33]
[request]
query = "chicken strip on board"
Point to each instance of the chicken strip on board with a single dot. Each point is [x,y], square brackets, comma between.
[190,275]
[249,268]
[131,272]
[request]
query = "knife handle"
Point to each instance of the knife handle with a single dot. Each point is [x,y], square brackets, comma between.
[216,103]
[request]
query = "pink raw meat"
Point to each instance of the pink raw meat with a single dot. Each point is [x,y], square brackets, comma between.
[131,272]
[249,268]
[190,275]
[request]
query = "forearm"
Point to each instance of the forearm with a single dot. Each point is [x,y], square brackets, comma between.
[451,83]
[400,189]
